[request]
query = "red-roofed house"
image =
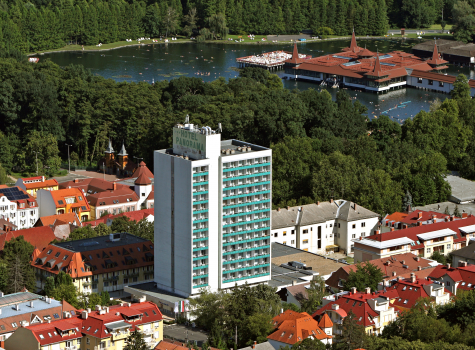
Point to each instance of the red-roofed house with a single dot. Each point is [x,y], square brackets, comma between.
[137,215]
[292,327]
[422,240]
[104,328]
[400,265]
[455,278]
[39,237]
[64,201]
[32,184]
[415,218]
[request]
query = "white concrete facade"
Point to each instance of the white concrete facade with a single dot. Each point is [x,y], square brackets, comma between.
[198,213]
[23,215]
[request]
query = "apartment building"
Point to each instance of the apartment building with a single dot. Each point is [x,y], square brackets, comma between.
[455,278]
[422,240]
[104,328]
[323,226]
[64,201]
[417,217]
[18,207]
[104,263]
[213,212]
[24,308]
[32,184]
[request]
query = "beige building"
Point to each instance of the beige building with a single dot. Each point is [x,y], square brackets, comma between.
[323,226]
[104,263]
[423,240]
[105,328]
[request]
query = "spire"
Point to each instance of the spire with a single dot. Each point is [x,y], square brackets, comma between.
[109,148]
[435,53]
[122,152]
[353,45]
[377,66]
[295,55]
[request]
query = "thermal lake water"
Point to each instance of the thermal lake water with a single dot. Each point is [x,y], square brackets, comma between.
[209,61]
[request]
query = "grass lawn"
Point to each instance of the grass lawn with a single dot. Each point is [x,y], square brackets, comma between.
[431,36]
[245,37]
[437,26]
[350,260]
[113,45]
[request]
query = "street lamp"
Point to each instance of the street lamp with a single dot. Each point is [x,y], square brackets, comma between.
[69,161]
[36,154]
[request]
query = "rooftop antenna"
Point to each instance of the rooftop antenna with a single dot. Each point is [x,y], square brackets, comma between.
[187,119]
[220,128]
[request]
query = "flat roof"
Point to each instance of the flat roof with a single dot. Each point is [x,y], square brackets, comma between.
[468,229]
[236,145]
[384,244]
[100,242]
[462,190]
[25,308]
[149,288]
[436,234]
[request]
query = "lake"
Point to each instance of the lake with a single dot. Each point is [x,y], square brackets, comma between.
[209,61]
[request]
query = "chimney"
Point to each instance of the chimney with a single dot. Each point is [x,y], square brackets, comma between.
[355,206]
[413,277]
[98,308]
[0,311]
[76,181]
[88,310]
[448,266]
[446,219]
[254,345]
[394,273]
[462,264]
[419,268]
[434,216]
[417,258]
[318,203]
[114,186]
[403,262]
[335,307]
[392,229]
[353,290]
[377,232]
[399,278]
[294,282]
[17,307]
[1,294]
[49,300]
[368,290]
[361,238]
[84,315]
[452,218]
[43,179]
[419,215]
[31,304]
[331,201]
[419,223]
[278,209]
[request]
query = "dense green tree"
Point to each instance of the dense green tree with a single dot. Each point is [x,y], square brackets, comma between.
[315,293]
[461,89]
[135,341]
[365,275]
[352,335]
[16,256]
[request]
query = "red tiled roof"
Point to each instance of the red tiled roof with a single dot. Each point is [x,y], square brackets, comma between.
[39,237]
[91,185]
[42,184]
[118,196]
[292,327]
[436,60]
[56,219]
[412,232]
[142,180]
[450,79]
[396,217]
[421,215]
[325,322]
[142,169]
[295,55]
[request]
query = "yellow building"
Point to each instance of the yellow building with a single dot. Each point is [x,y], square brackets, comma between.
[64,201]
[105,328]
[104,263]
[33,184]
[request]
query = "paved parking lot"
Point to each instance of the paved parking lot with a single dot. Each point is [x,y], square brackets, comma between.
[184,334]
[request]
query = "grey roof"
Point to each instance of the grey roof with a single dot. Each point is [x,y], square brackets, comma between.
[122,152]
[100,242]
[233,146]
[457,48]
[462,190]
[15,298]
[109,148]
[261,346]
[24,307]
[117,325]
[282,276]
[315,213]
[149,288]
[350,211]
[467,252]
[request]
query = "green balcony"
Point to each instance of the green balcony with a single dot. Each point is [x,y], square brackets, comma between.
[246,222]
[246,176]
[246,185]
[247,268]
[246,167]
[244,204]
[246,250]
[245,241]
[246,231]
[244,195]
[246,259]
[247,213]
[200,285]
[200,174]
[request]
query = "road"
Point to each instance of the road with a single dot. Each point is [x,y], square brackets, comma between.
[414,31]
[179,332]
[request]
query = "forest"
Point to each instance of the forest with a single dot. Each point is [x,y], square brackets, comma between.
[35,25]
[322,148]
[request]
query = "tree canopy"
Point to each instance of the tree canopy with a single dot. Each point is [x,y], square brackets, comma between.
[366,275]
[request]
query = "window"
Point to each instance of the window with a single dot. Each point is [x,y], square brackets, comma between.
[353,226]
[305,241]
[285,233]
[275,234]
[428,250]
[57,254]
[305,231]
[293,232]
[431,82]
[441,83]
[14,325]
[292,242]
[419,80]
[449,246]
[353,235]
[285,243]
[49,252]
[41,336]
[448,283]
[363,224]
[87,339]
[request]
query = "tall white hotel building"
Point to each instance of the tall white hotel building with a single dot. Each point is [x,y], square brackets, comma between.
[212,212]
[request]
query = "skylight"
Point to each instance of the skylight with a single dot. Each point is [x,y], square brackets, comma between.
[342,57]
[384,57]
[388,64]
[354,63]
